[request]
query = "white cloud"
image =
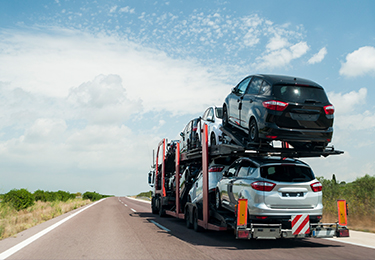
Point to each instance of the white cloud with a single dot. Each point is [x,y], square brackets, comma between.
[103,101]
[318,57]
[277,42]
[282,57]
[347,103]
[359,62]
[55,60]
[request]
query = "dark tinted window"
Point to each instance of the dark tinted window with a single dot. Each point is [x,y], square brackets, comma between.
[254,86]
[241,88]
[219,112]
[246,169]
[300,94]
[265,89]
[287,173]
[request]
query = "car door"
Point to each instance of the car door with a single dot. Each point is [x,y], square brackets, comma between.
[235,101]
[227,189]
[249,102]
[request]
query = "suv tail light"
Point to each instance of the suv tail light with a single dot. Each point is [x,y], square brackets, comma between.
[330,109]
[316,186]
[263,185]
[275,105]
[216,169]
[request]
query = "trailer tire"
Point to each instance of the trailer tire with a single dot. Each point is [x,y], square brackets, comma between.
[161,209]
[196,226]
[189,225]
[153,206]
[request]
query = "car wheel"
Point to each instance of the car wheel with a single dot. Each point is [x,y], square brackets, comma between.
[253,131]
[213,139]
[225,121]
[189,225]
[217,200]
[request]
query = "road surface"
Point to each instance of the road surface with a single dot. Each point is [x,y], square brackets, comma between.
[122,228]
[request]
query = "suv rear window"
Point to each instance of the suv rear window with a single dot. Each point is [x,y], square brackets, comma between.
[287,173]
[300,94]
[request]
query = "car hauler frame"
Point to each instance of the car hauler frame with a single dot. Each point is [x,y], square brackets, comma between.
[203,217]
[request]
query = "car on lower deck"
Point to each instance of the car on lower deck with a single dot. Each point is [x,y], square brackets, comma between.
[275,189]
[283,108]
[215,174]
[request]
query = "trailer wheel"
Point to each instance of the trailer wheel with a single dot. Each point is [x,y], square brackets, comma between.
[161,209]
[196,227]
[153,206]
[189,225]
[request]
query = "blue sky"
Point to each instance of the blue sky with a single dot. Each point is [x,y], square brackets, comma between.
[89,88]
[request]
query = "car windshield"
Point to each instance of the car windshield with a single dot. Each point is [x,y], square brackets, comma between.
[300,94]
[287,173]
[219,112]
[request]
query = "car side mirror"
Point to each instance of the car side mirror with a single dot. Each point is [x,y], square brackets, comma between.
[183,136]
[234,90]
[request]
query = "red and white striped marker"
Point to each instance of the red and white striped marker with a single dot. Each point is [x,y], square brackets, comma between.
[300,224]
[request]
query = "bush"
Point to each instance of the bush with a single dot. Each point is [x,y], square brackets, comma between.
[19,199]
[93,196]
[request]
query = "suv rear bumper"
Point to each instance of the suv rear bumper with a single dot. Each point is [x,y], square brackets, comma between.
[271,131]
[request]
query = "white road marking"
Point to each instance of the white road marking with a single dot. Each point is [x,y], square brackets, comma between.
[133,210]
[28,241]
[160,226]
[126,205]
[351,243]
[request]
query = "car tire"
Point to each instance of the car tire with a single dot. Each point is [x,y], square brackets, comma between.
[217,200]
[253,131]
[225,121]
[212,139]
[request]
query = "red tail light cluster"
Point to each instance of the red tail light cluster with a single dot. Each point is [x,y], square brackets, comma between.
[316,186]
[330,109]
[263,185]
[216,169]
[275,105]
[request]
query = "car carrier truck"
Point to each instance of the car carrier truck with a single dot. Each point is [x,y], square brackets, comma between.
[174,173]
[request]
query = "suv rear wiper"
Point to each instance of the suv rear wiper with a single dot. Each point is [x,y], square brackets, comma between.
[312,101]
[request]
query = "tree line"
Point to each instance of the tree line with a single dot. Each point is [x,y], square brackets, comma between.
[22,198]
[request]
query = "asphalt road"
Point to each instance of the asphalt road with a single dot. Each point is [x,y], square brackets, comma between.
[121,228]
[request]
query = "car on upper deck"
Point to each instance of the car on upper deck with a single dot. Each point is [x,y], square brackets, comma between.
[283,108]
[213,118]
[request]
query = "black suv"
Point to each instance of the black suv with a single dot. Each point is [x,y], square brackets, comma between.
[274,107]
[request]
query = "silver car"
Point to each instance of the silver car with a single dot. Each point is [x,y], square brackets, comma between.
[213,118]
[215,174]
[275,189]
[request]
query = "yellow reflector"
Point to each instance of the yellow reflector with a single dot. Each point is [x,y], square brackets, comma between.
[242,212]
[341,205]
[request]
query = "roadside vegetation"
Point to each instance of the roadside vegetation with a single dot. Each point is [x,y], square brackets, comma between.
[21,209]
[360,197]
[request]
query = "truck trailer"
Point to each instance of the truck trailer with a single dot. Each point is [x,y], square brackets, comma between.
[173,174]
